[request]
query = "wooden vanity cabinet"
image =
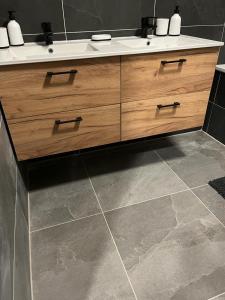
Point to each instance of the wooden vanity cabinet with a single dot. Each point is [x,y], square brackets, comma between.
[165,92]
[63,106]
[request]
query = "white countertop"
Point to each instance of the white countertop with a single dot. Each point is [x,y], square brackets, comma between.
[220,68]
[81,49]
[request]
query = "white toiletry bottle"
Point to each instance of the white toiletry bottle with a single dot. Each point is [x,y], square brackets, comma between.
[175,23]
[14,31]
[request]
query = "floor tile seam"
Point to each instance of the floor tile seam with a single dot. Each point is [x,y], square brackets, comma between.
[155,198]
[65,223]
[110,232]
[201,202]
[215,297]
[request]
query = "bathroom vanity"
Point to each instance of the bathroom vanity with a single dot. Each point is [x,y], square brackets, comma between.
[86,94]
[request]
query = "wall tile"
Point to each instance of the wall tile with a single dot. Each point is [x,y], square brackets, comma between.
[105,15]
[220,95]
[8,190]
[217,123]
[208,116]
[207,32]
[31,14]
[194,12]
[22,268]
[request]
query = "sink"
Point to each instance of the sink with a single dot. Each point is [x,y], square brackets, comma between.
[138,43]
[59,50]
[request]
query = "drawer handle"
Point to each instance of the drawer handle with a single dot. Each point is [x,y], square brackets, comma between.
[73,72]
[174,105]
[179,61]
[77,121]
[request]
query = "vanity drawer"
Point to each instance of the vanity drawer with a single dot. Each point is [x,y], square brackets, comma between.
[42,88]
[145,118]
[57,133]
[151,76]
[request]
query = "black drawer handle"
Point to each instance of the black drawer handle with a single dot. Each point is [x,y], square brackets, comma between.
[174,105]
[62,73]
[179,61]
[77,121]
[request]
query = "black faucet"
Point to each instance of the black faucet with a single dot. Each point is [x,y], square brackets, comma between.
[48,33]
[146,24]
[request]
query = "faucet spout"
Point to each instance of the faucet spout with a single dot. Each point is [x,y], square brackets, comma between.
[147,23]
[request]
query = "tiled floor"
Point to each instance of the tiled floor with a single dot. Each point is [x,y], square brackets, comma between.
[136,222]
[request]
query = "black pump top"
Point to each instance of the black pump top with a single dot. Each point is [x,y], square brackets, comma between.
[12,15]
[177,9]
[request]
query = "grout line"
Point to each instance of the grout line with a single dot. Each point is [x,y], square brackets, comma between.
[198,187]
[214,298]
[145,201]
[64,223]
[191,191]
[217,105]
[14,236]
[155,8]
[64,20]
[203,25]
[30,259]
[110,232]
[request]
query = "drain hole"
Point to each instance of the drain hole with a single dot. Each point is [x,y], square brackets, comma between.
[50,50]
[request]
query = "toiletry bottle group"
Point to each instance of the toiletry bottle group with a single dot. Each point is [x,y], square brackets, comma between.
[175,23]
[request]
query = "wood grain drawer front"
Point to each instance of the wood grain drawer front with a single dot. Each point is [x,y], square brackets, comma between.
[146,77]
[144,118]
[41,136]
[27,90]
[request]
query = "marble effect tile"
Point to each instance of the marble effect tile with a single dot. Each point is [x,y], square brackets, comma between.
[78,261]
[60,192]
[195,157]
[214,202]
[172,247]
[131,175]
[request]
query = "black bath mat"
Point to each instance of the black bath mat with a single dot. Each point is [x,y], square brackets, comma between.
[219,186]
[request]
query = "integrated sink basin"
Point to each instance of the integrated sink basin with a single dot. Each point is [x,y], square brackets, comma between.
[59,50]
[137,43]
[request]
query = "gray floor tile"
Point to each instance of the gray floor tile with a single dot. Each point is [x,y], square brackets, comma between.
[131,175]
[60,192]
[172,247]
[195,157]
[212,200]
[78,261]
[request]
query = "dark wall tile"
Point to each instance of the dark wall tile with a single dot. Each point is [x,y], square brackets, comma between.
[87,35]
[220,95]
[215,84]
[40,38]
[207,32]
[194,12]
[31,13]
[105,15]
[217,123]
[207,117]
[222,51]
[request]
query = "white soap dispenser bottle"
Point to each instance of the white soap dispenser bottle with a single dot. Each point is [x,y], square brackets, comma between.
[14,31]
[175,23]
